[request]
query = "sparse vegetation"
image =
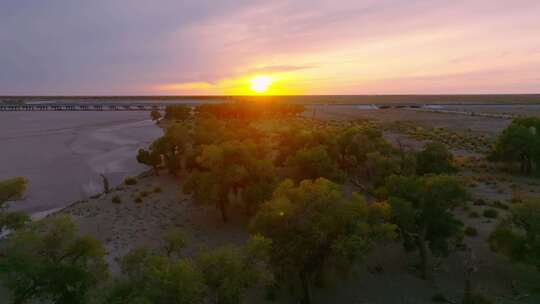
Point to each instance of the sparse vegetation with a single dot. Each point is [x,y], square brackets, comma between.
[116,199]
[130,181]
[471,231]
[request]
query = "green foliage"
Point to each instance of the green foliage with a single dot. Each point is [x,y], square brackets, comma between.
[175,241]
[421,207]
[151,278]
[315,231]
[519,142]
[435,159]
[248,110]
[47,261]
[177,112]
[10,190]
[177,137]
[312,163]
[228,168]
[519,237]
[150,158]
[220,276]
[356,143]
[228,273]
[208,131]
[155,115]
[379,166]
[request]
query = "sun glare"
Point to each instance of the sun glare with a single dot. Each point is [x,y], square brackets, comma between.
[260,84]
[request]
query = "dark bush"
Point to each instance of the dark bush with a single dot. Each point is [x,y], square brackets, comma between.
[471,231]
[116,199]
[474,214]
[490,213]
[130,181]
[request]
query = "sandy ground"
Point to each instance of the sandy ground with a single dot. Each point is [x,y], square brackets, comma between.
[63,153]
[130,224]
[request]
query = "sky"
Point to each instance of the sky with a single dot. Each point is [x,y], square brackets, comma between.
[217,47]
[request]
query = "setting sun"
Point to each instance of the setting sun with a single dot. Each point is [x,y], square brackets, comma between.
[260,84]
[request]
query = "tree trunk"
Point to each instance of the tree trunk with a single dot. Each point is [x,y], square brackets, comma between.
[223,210]
[529,166]
[306,292]
[424,255]
[247,207]
[468,292]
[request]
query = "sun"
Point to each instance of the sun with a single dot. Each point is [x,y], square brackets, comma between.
[260,84]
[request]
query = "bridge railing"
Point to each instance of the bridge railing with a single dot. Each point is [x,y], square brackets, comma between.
[81,107]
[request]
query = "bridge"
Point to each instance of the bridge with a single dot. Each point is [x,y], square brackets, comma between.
[82,107]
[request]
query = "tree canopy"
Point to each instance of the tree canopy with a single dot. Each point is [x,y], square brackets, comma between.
[10,190]
[228,168]
[314,230]
[519,142]
[155,115]
[177,112]
[48,261]
[435,159]
[422,209]
[518,237]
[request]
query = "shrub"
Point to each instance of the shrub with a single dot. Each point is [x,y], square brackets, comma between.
[48,262]
[138,200]
[130,181]
[474,214]
[479,202]
[439,298]
[471,231]
[116,199]
[517,237]
[490,213]
[157,190]
[477,299]
[500,205]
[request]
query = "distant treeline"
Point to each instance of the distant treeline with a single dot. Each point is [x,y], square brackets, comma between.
[303,99]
